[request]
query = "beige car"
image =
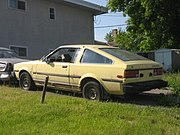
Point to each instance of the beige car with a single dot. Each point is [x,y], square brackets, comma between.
[93,70]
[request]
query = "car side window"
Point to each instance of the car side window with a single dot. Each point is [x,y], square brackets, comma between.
[64,55]
[93,57]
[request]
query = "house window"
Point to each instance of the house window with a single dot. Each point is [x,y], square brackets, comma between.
[18,4]
[52,13]
[21,51]
[12,3]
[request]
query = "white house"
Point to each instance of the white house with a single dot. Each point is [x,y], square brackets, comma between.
[34,27]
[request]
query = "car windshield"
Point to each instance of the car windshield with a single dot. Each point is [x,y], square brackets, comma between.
[7,54]
[122,54]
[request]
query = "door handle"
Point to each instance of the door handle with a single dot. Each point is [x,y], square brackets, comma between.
[64,66]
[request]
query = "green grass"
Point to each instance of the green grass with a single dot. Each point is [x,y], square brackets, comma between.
[21,113]
[173,80]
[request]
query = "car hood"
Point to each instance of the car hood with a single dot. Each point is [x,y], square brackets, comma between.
[12,60]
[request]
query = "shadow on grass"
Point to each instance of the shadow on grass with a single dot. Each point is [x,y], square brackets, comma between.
[149,98]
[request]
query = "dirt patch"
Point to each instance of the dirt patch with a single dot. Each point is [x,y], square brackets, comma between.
[155,97]
[165,91]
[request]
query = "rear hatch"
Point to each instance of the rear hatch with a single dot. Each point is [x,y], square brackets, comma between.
[142,70]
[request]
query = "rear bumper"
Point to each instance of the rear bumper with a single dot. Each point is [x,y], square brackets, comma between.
[143,86]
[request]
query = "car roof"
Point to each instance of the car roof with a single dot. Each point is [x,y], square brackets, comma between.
[87,46]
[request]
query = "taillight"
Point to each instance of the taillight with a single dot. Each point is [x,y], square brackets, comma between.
[131,73]
[158,71]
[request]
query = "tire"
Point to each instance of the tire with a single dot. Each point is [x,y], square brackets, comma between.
[26,82]
[1,82]
[92,91]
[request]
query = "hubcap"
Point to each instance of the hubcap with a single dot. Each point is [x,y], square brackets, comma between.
[92,94]
[25,82]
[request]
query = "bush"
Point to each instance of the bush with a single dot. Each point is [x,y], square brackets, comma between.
[173,80]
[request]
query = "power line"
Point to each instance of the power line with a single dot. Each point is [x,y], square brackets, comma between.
[108,26]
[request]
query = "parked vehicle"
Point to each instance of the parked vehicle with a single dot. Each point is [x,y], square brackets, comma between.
[7,60]
[93,70]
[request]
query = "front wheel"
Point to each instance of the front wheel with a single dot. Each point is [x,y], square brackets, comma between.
[26,82]
[92,91]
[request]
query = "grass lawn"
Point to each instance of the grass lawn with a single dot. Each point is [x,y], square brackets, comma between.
[173,80]
[21,113]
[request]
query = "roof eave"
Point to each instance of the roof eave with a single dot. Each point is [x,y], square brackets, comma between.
[97,10]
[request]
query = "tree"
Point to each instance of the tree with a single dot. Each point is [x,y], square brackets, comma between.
[109,37]
[152,24]
[121,38]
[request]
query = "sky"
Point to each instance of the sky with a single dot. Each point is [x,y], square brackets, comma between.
[109,19]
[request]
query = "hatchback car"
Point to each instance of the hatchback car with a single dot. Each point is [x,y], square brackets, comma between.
[7,59]
[95,71]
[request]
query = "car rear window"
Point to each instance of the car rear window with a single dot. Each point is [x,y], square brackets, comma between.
[122,54]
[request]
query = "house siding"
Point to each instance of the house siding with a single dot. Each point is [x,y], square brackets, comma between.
[35,30]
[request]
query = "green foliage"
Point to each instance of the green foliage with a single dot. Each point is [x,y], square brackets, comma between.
[173,80]
[109,37]
[124,40]
[22,114]
[153,24]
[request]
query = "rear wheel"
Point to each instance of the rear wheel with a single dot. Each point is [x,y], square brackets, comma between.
[92,91]
[26,82]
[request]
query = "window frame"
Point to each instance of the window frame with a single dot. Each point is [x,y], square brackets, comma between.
[17,6]
[54,13]
[20,47]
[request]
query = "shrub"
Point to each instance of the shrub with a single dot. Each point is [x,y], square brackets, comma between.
[173,80]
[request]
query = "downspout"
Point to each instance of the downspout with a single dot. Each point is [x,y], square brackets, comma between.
[101,12]
[93,29]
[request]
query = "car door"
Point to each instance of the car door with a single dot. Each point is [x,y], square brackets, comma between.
[57,67]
